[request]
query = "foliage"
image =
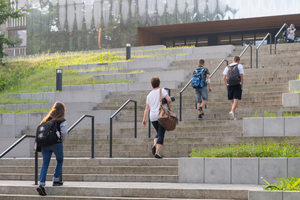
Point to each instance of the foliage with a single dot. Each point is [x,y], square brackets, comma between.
[256,114]
[286,114]
[269,114]
[7,12]
[261,149]
[5,111]
[28,75]
[284,184]
[298,77]
[296,91]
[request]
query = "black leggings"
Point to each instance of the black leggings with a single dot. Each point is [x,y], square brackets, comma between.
[160,132]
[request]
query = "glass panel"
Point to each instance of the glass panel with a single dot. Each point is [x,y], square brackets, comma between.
[18,34]
[168,43]
[223,39]
[248,38]
[236,40]
[259,37]
[179,42]
[190,41]
[202,41]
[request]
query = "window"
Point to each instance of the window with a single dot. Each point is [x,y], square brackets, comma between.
[259,37]
[18,34]
[236,40]
[223,39]
[248,39]
[168,43]
[191,41]
[179,42]
[202,41]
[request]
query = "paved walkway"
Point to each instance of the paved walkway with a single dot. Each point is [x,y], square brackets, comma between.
[141,185]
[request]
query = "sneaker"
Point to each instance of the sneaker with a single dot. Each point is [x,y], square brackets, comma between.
[201,110]
[41,190]
[232,115]
[158,156]
[153,150]
[58,183]
[199,117]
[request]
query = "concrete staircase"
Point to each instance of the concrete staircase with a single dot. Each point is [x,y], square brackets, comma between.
[122,177]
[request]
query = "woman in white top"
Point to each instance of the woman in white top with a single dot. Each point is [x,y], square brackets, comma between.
[153,104]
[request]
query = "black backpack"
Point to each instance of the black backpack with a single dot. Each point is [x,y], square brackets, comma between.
[284,34]
[233,74]
[46,134]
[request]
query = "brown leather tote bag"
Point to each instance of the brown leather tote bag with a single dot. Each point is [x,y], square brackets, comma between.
[166,118]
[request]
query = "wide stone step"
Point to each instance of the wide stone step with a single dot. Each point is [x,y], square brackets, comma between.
[97,177]
[157,170]
[54,197]
[137,190]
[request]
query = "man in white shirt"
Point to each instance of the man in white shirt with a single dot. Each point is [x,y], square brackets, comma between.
[233,79]
[291,34]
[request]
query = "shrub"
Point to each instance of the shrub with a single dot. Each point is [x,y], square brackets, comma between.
[284,184]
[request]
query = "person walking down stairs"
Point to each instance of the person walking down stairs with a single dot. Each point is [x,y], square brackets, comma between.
[152,105]
[200,81]
[52,143]
[233,79]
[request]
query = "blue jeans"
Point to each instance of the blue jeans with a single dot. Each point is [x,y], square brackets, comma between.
[201,93]
[57,149]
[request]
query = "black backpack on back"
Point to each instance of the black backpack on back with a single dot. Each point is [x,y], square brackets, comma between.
[46,134]
[233,74]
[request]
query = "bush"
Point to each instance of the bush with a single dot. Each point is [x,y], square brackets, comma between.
[261,149]
[284,184]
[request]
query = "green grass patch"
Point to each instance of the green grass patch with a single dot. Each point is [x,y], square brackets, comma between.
[284,184]
[261,149]
[28,75]
[5,111]
[270,114]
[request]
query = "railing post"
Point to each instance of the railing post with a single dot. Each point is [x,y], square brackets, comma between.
[251,56]
[180,106]
[36,168]
[135,120]
[256,58]
[93,137]
[275,43]
[270,44]
[110,136]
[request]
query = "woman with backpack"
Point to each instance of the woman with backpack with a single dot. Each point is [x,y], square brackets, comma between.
[54,119]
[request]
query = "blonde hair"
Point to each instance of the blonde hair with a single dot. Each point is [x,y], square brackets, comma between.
[57,113]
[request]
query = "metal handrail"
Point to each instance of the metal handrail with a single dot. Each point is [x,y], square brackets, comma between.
[268,34]
[149,122]
[135,122]
[182,90]
[36,153]
[250,53]
[93,130]
[284,25]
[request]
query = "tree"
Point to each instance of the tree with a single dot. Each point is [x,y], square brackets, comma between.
[7,12]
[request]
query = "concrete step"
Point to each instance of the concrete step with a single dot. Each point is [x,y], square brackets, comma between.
[138,190]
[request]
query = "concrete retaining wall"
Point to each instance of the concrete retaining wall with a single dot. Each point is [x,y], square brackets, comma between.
[236,170]
[271,126]
[274,195]
[21,150]
[113,87]
[82,106]
[294,85]
[85,94]
[290,99]
[178,75]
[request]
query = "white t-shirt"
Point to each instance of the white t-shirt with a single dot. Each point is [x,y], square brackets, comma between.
[154,102]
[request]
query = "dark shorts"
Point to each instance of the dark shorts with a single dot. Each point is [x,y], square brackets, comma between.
[290,41]
[234,92]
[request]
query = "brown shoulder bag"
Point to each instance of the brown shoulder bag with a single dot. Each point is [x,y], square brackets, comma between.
[166,118]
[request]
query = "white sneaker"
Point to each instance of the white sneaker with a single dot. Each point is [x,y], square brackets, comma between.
[232,115]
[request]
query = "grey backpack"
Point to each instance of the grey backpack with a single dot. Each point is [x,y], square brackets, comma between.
[233,75]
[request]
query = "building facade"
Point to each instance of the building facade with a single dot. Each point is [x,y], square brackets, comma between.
[16,29]
[72,25]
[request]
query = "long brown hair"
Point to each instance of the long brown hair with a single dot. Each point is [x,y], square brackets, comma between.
[56,113]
